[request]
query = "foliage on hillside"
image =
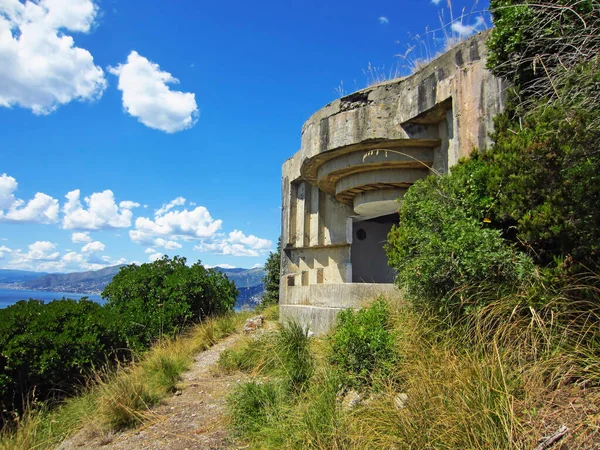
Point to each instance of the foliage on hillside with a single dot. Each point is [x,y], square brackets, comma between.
[546,176]
[160,298]
[47,350]
[544,167]
[536,45]
[362,348]
[119,398]
[53,346]
[443,250]
[536,191]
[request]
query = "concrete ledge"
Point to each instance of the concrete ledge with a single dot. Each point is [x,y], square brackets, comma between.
[318,319]
[318,305]
[342,295]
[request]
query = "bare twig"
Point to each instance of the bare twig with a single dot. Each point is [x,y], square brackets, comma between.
[549,441]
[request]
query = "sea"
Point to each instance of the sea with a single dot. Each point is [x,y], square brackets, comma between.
[11,296]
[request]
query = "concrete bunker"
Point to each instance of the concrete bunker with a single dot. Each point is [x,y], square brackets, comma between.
[361,153]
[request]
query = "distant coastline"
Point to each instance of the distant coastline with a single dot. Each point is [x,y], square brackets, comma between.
[11,295]
[23,287]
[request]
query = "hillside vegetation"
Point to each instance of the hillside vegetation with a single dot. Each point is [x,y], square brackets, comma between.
[47,351]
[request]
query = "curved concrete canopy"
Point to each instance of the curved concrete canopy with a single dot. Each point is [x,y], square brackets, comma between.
[378,202]
[390,178]
[362,161]
[311,164]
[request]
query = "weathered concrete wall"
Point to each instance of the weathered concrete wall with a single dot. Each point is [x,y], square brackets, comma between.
[361,152]
[316,306]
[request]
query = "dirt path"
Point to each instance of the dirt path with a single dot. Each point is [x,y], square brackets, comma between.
[192,419]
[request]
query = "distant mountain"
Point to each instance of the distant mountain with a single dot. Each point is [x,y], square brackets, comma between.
[244,277]
[249,283]
[18,276]
[90,282]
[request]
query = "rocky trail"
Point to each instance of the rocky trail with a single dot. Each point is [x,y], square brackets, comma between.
[193,418]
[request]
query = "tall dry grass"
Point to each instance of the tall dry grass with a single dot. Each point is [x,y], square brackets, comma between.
[502,377]
[492,380]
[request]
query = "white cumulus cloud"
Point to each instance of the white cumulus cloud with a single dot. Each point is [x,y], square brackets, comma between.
[154,256]
[40,66]
[92,247]
[44,257]
[100,212]
[179,201]
[4,250]
[384,20]
[40,209]
[237,237]
[174,224]
[7,186]
[81,238]
[147,96]
[464,30]
[169,245]
[38,251]
[128,204]
[237,244]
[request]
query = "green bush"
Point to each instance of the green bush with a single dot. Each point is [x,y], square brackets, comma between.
[545,166]
[547,176]
[294,360]
[161,298]
[445,254]
[534,44]
[362,345]
[252,355]
[252,405]
[285,354]
[51,347]
[48,349]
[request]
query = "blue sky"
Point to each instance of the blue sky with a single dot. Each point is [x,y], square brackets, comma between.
[133,129]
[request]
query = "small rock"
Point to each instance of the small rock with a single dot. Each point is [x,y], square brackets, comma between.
[400,401]
[177,392]
[351,400]
[254,324]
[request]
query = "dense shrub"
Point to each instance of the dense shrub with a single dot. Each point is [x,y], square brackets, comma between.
[362,345]
[253,404]
[160,298]
[544,162]
[443,250]
[547,178]
[53,346]
[536,44]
